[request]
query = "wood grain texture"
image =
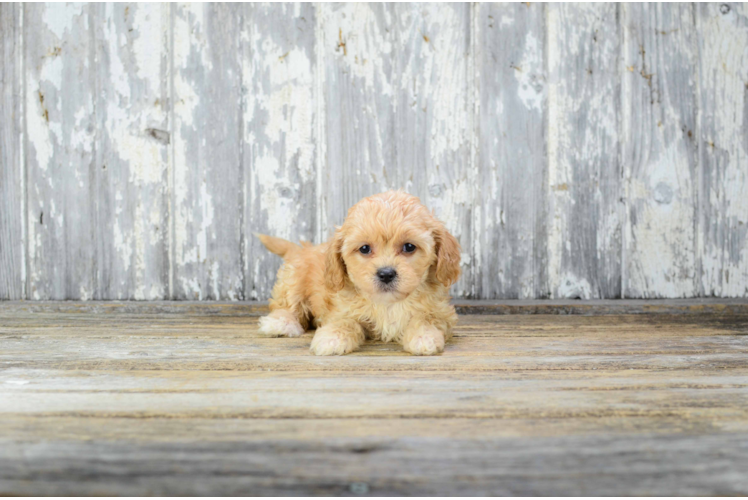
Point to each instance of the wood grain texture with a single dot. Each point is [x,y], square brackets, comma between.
[659,149]
[208,196]
[512,237]
[432,134]
[722,32]
[132,151]
[61,133]
[397,112]
[661,465]
[359,104]
[584,240]
[187,403]
[12,188]
[576,151]
[280,134]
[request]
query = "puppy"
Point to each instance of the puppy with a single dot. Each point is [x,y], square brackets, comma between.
[384,275]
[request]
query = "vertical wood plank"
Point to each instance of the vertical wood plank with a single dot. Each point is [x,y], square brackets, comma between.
[659,149]
[513,168]
[433,117]
[61,133]
[585,213]
[397,106]
[279,64]
[12,251]
[132,154]
[360,103]
[723,148]
[207,186]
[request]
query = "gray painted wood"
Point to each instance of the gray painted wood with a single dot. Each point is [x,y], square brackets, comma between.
[659,149]
[584,174]
[280,134]
[12,197]
[132,150]
[433,117]
[513,158]
[142,145]
[397,110]
[208,196]
[61,135]
[722,32]
[357,43]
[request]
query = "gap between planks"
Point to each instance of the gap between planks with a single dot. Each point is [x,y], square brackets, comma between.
[719,306]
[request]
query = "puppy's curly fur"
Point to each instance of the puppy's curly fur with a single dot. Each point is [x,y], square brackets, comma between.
[385,275]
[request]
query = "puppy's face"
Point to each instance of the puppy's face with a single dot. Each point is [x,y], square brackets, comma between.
[388,261]
[389,245]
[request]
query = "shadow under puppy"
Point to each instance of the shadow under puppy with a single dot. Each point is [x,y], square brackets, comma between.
[385,275]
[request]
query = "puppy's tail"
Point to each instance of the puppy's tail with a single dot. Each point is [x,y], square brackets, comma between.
[278,246]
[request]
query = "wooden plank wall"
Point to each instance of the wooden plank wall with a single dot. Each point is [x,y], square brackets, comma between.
[576,150]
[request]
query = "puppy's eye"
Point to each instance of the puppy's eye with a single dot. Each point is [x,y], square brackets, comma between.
[409,248]
[366,249]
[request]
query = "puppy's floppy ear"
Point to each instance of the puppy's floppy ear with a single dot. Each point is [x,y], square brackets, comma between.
[335,270]
[447,256]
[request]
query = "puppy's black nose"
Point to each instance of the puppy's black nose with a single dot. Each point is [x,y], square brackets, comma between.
[386,274]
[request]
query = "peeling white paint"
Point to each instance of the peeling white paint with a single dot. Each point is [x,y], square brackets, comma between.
[186,101]
[659,166]
[529,74]
[191,288]
[290,103]
[23,244]
[396,57]
[57,18]
[280,209]
[573,95]
[123,246]
[359,38]
[723,44]
[206,222]
[214,274]
[574,287]
[559,173]
[148,22]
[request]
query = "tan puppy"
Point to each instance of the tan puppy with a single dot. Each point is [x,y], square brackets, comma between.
[384,275]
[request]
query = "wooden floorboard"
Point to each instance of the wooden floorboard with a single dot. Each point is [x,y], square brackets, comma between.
[187,399]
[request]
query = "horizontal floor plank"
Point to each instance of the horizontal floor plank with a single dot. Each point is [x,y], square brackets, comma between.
[304,396]
[681,464]
[133,399]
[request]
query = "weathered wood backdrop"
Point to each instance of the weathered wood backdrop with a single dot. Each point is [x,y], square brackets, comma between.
[593,151]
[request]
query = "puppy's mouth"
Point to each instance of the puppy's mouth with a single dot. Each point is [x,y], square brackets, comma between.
[387,287]
[389,293]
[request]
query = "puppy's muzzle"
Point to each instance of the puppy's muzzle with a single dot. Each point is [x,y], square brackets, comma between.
[386,275]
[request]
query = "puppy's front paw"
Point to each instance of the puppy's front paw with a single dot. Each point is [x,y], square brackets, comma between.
[333,342]
[280,324]
[426,341]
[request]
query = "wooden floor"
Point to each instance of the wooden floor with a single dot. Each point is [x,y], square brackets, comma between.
[186,399]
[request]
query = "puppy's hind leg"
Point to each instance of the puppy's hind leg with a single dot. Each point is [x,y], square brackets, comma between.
[280,323]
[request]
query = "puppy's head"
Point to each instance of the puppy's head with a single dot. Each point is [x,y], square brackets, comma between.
[388,246]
